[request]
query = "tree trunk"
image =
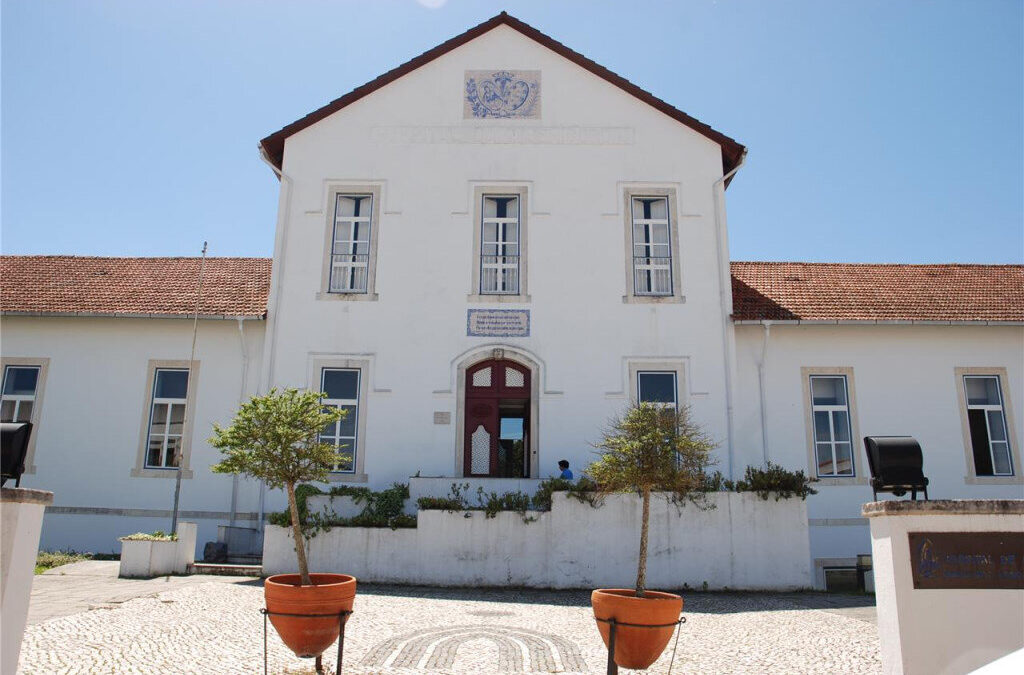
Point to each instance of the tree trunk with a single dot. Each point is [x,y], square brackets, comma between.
[300,541]
[641,567]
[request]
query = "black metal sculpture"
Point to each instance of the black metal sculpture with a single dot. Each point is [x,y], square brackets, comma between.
[14,438]
[896,464]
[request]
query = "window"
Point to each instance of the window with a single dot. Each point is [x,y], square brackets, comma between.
[657,387]
[19,393]
[830,410]
[499,245]
[350,243]
[166,418]
[652,249]
[987,426]
[341,390]
[165,434]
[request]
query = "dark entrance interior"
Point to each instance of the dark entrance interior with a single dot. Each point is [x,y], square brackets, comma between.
[497,431]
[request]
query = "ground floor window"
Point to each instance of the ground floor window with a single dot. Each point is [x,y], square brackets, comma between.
[658,387]
[986,419]
[341,390]
[166,418]
[19,393]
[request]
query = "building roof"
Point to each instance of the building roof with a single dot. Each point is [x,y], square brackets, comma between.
[159,287]
[273,145]
[762,291]
[830,292]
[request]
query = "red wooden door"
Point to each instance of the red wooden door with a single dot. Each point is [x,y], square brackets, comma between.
[488,384]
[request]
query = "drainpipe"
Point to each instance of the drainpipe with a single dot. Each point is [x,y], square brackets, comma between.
[276,276]
[762,386]
[725,300]
[241,399]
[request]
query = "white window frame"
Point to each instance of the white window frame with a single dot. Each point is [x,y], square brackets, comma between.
[329,290]
[859,476]
[476,293]
[675,293]
[343,267]
[649,267]
[832,442]
[20,398]
[43,364]
[675,386]
[316,363]
[142,469]
[501,244]
[170,403]
[348,444]
[972,477]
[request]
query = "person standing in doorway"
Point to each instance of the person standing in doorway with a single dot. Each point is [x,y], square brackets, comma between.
[566,474]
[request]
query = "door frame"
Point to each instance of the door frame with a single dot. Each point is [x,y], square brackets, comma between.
[486,354]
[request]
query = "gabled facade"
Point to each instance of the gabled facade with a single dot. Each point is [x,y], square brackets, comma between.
[483,255]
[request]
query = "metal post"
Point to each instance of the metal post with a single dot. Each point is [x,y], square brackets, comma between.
[613,668]
[188,392]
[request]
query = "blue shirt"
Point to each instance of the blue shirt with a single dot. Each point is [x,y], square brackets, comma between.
[566,474]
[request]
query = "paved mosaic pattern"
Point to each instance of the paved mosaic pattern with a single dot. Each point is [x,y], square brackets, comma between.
[217,628]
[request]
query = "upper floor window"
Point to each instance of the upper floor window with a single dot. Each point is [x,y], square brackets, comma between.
[652,248]
[987,426]
[830,410]
[340,387]
[19,393]
[164,441]
[658,388]
[350,243]
[499,245]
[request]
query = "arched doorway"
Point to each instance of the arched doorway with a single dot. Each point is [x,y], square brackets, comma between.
[496,433]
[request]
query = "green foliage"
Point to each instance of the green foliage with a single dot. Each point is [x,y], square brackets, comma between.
[46,560]
[653,449]
[158,535]
[381,509]
[455,501]
[774,480]
[276,439]
[583,490]
[492,503]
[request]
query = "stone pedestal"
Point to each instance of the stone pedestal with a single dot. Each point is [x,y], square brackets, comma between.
[21,518]
[949,584]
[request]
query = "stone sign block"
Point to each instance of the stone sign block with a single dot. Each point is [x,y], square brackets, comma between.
[498,323]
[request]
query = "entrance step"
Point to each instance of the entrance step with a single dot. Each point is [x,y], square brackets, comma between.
[226,569]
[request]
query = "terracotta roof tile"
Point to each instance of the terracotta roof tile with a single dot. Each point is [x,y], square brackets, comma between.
[789,291]
[159,286]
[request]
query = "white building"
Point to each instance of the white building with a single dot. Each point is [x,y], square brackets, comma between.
[502,241]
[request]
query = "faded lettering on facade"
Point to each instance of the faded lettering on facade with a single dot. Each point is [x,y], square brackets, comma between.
[498,323]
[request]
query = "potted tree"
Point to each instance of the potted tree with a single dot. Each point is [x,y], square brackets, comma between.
[276,439]
[650,449]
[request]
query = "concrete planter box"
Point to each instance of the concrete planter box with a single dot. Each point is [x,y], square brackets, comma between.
[21,518]
[147,559]
[743,543]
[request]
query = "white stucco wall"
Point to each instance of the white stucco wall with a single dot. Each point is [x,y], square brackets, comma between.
[905,385]
[94,402]
[743,543]
[414,335]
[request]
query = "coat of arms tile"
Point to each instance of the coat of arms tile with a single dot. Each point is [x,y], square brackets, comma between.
[502,94]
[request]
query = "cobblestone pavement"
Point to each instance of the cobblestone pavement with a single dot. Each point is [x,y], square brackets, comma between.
[215,627]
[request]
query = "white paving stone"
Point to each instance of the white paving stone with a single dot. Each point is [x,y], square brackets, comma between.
[217,628]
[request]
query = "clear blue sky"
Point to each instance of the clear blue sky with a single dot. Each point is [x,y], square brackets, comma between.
[889,130]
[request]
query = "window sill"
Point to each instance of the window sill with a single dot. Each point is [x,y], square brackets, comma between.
[993,480]
[831,481]
[348,297]
[348,478]
[653,299]
[497,298]
[161,473]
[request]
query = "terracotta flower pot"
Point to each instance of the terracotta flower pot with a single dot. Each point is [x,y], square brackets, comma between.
[635,647]
[329,594]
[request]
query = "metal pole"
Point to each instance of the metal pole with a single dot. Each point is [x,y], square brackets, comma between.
[188,392]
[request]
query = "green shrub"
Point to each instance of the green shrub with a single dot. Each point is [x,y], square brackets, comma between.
[773,479]
[381,509]
[583,490]
[455,501]
[159,535]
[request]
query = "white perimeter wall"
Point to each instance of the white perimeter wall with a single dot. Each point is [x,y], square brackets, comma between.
[905,385]
[743,543]
[93,406]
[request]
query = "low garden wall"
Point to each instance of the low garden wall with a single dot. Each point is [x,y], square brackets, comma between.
[745,542]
